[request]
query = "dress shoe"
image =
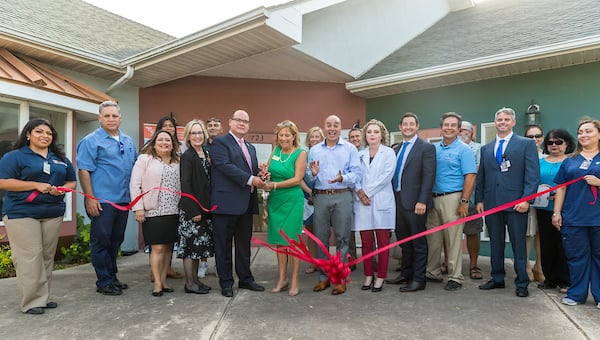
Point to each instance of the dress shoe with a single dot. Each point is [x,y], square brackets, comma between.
[227,292]
[120,285]
[200,290]
[321,286]
[522,292]
[168,290]
[547,285]
[491,284]
[253,286]
[51,304]
[159,293]
[413,287]
[434,280]
[452,285]
[338,289]
[109,290]
[398,280]
[203,286]
[35,311]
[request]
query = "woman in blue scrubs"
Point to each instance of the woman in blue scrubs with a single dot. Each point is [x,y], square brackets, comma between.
[33,209]
[577,214]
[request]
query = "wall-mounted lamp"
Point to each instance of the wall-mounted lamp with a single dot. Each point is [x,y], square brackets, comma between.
[532,114]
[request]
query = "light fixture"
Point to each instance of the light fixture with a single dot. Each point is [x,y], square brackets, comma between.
[533,114]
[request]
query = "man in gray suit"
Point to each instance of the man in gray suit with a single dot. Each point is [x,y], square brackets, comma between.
[509,170]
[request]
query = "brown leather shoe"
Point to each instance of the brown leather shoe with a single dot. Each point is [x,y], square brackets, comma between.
[171,274]
[338,289]
[321,286]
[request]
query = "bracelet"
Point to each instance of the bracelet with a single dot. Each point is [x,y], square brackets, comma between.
[555,214]
[464,201]
[274,186]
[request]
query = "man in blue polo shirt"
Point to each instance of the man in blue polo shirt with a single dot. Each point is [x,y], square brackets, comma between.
[454,182]
[105,159]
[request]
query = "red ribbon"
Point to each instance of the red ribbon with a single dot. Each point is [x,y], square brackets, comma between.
[34,194]
[339,272]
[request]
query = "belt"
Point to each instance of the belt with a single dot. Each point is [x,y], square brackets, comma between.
[445,193]
[332,191]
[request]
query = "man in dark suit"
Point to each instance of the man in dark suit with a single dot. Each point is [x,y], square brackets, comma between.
[509,170]
[413,183]
[234,190]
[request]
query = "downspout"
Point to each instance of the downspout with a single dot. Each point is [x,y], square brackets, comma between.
[126,77]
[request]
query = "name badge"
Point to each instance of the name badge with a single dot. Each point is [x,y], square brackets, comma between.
[585,165]
[505,165]
[275,158]
[47,168]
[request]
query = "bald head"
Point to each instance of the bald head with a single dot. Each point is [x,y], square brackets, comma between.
[332,129]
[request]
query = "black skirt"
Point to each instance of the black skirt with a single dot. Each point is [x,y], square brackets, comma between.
[161,229]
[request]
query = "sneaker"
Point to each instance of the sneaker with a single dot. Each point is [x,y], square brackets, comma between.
[569,302]
[452,285]
[203,269]
[598,305]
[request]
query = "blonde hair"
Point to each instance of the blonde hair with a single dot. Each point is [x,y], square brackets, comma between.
[385,135]
[188,128]
[310,132]
[293,130]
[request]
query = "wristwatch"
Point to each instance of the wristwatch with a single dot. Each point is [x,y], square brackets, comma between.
[464,201]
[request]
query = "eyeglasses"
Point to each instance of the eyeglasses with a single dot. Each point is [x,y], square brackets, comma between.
[535,136]
[121,148]
[555,142]
[197,133]
[240,120]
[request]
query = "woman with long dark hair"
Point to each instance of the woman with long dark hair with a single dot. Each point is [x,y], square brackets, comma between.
[33,209]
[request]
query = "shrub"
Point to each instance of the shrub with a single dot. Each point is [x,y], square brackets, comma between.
[79,250]
[6,266]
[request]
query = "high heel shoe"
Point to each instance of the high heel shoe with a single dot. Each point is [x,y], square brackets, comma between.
[277,289]
[376,289]
[368,286]
[159,293]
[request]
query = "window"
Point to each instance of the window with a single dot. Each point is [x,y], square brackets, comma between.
[13,117]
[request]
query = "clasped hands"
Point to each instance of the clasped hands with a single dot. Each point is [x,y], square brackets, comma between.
[263,178]
[46,188]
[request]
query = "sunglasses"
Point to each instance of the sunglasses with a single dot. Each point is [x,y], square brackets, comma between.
[555,142]
[535,136]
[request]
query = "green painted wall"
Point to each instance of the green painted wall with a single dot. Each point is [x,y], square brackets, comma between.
[564,96]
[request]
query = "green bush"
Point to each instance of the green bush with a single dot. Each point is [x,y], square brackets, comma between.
[6,266]
[79,250]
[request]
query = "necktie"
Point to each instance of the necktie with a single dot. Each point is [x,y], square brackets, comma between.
[396,179]
[499,152]
[246,153]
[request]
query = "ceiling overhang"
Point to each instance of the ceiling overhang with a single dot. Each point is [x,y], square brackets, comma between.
[574,52]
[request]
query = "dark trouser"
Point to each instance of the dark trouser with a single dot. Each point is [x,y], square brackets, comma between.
[582,247]
[106,235]
[236,228]
[333,210]
[554,260]
[414,253]
[517,227]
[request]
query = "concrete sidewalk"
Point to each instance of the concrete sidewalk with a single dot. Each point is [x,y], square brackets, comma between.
[430,314]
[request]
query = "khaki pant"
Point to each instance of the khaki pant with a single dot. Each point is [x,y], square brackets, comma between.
[444,211]
[33,245]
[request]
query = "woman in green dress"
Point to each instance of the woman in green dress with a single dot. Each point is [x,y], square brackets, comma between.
[286,200]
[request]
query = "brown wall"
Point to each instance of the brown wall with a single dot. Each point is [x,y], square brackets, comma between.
[268,102]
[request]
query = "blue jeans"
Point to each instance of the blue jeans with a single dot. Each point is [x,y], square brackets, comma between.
[106,235]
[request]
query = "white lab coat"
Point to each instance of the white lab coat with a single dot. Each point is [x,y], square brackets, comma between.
[376,182]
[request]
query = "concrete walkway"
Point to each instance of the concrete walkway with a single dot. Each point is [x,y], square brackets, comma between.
[430,314]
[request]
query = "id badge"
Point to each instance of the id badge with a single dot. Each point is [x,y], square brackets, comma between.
[275,158]
[505,165]
[47,168]
[585,165]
